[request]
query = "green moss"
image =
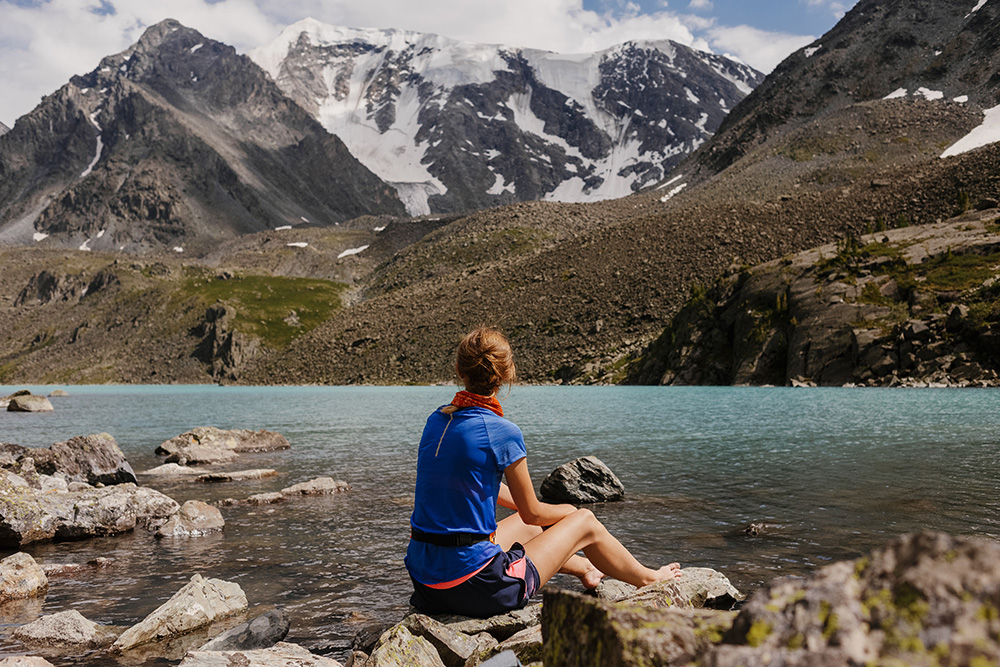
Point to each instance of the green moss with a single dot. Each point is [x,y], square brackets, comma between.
[758,633]
[263,304]
[796,642]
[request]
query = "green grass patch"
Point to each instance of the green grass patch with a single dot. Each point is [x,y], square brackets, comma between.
[949,272]
[263,304]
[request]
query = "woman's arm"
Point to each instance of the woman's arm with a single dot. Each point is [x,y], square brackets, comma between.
[504,499]
[532,510]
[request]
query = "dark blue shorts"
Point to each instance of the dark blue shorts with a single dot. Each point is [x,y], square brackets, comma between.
[503,585]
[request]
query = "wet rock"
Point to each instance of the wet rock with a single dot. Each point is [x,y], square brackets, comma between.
[316,487]
[580,630]
[211,438]
[263,631]
[201,455]
[29,403]
[927,598]
[266,498]
[237,475]
[197,604]
[194,519]
[585,480]
[279,655]
[171,470]
[21,577]
[28,516]
[399,648]
[65,629]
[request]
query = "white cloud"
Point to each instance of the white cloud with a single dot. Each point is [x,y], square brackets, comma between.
[758,48]
[836,7]
[43,44]
[701,5]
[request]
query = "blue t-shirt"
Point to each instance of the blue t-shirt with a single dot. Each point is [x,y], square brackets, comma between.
[461,460]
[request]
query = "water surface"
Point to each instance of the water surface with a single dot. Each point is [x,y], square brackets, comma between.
[833,473]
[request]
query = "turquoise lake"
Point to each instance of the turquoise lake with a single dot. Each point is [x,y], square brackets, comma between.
[834,473]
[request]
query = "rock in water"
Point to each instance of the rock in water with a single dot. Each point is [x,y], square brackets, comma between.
[197,604]
[263,631]
[65,629]
[194,519]
[29,403]
[94,459]
[316,487]
[58,393]
[27,515]
[238,440]
[279,655]
[21,577]
[923,599]
[585,480]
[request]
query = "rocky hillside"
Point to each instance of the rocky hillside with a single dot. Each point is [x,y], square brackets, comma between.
[947,50]
[457,126]
[176,143]
[911,306]
[3,129]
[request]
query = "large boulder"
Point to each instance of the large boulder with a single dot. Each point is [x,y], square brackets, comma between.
[21,577]
[279,655]
[583,631]
[194,519]
[25,661]
[29,403]
[923,599]
[585,480]
[454,648]
[65,629]
[237,475]
[200,602]
[263,631]
[28,515]
[398,647]
[208,444]
[94,459]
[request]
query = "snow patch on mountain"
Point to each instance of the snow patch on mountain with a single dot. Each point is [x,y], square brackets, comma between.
[454,126]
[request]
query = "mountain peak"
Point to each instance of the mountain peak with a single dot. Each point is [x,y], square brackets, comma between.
[457,126]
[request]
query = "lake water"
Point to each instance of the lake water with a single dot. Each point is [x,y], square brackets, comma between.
[833,472]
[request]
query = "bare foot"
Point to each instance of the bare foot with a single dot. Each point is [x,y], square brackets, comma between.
[668,572]
[591,578]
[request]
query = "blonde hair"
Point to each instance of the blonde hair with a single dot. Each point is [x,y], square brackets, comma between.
[485,361]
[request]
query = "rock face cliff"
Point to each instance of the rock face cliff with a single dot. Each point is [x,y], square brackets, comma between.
[457,126]
[176,143]
[912,306]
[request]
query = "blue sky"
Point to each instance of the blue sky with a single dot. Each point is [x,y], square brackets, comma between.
[44,42]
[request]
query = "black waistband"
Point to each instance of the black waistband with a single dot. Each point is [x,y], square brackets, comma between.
[449,540]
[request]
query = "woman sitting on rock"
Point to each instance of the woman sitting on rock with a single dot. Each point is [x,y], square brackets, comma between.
[460,559]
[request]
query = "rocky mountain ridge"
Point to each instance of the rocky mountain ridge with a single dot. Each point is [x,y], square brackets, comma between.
[176,143]
[457,126]
[915,306]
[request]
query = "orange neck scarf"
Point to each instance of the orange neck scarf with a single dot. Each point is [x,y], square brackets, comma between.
[466,399]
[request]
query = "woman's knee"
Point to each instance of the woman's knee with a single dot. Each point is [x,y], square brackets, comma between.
[586,520]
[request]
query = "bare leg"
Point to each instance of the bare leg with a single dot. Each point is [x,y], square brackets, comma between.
[551,549]
[513,529]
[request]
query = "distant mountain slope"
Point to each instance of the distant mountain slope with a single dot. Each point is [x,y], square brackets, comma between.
[175,143]
[3,129]
[916,49]
[457,126]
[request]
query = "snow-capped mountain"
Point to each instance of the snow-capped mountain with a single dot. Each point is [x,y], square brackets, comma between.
[456,126]
[177,142]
